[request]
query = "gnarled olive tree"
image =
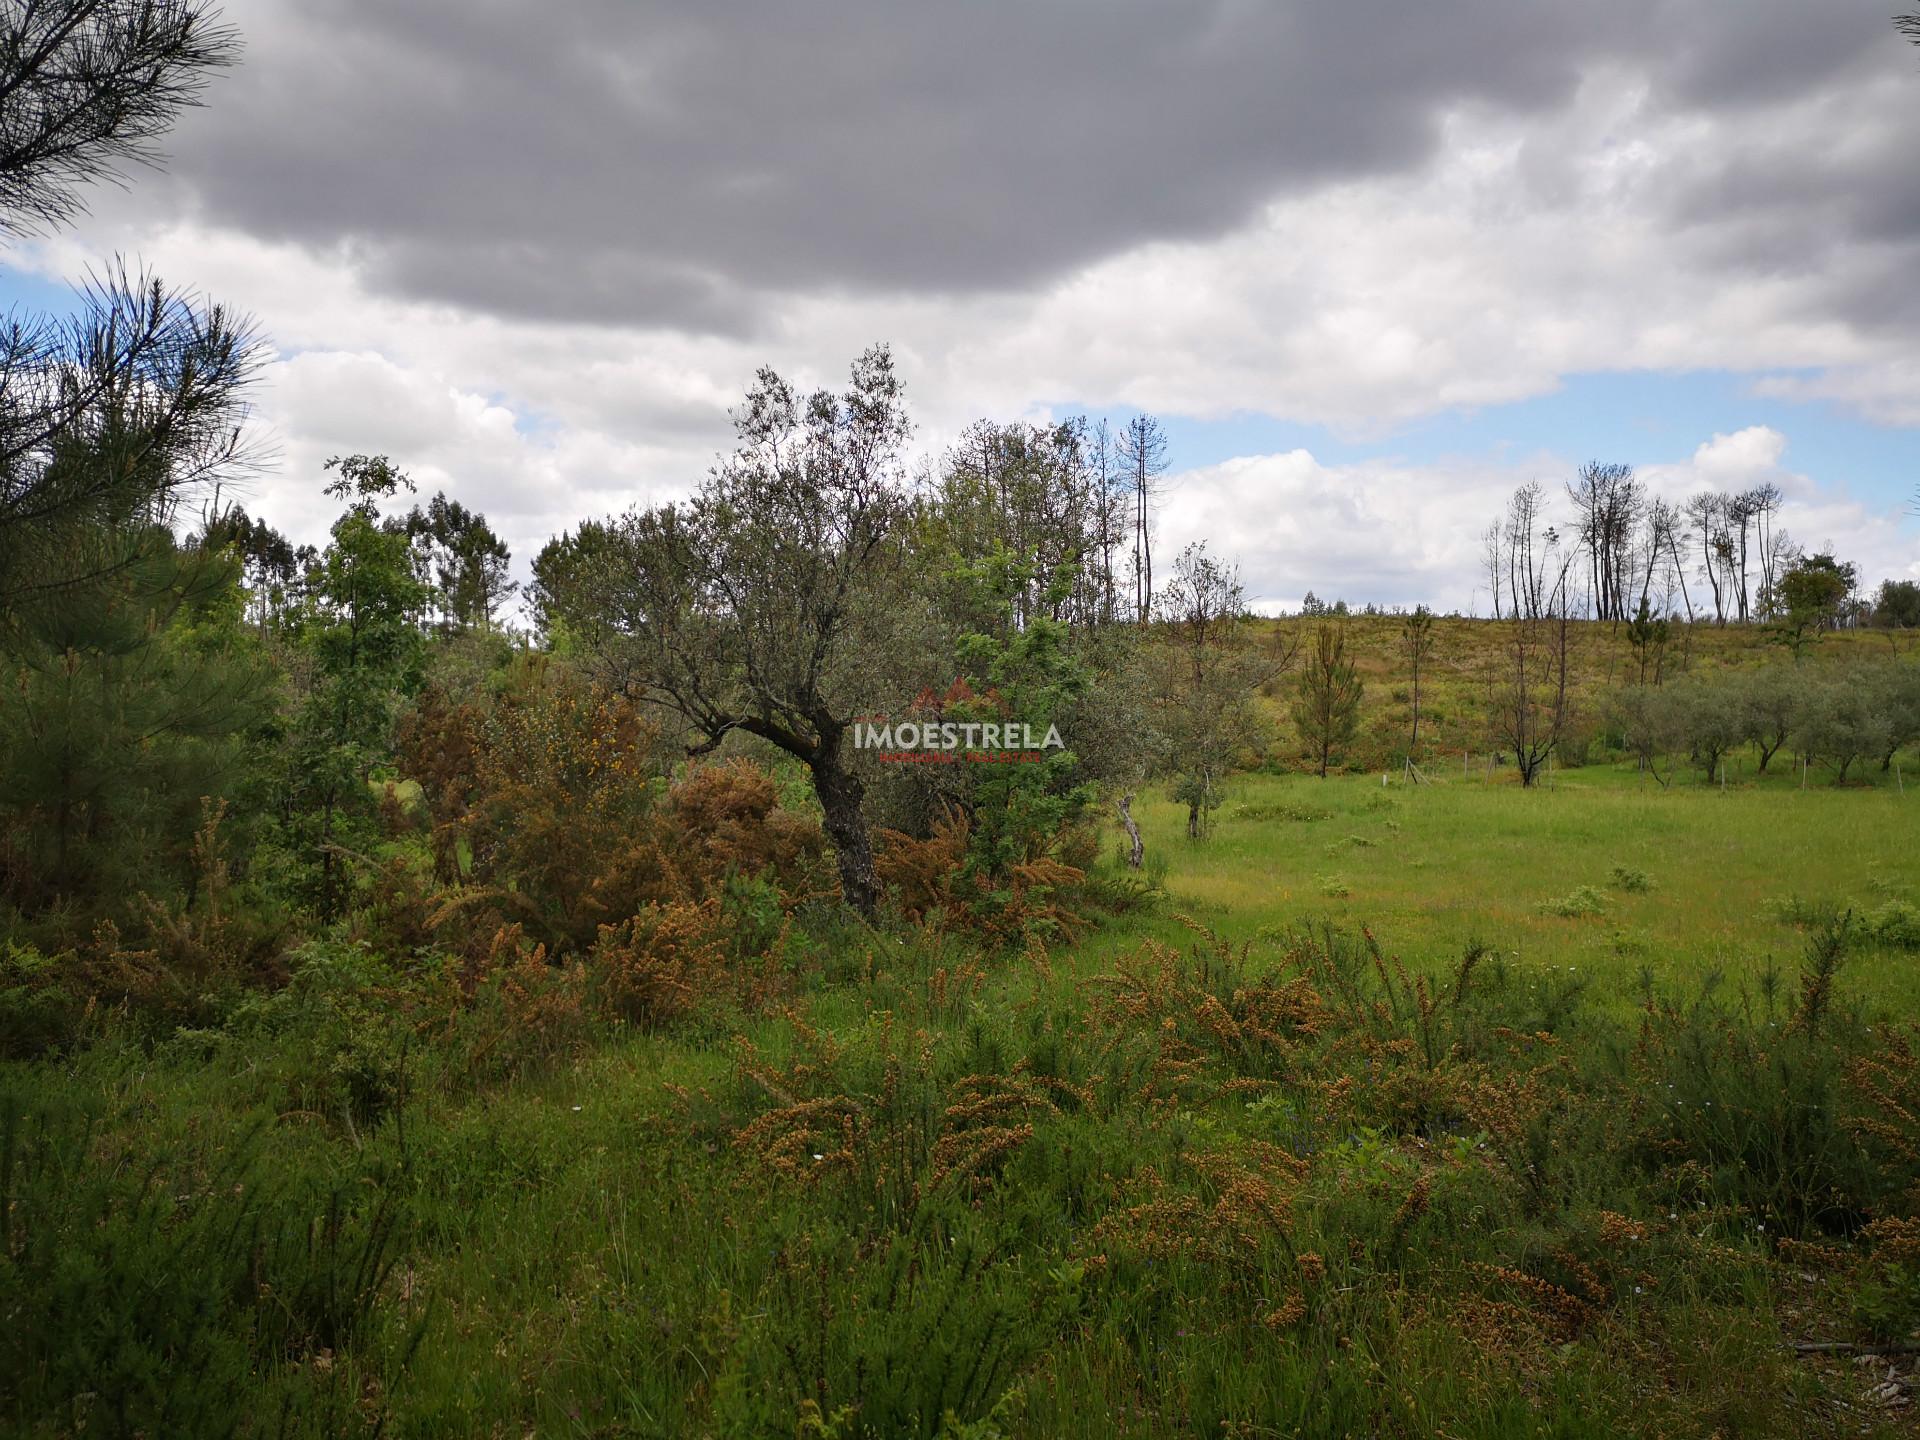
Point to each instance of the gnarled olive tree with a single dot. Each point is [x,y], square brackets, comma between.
[759,605]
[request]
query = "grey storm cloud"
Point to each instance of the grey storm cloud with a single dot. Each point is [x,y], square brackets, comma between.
[669,165]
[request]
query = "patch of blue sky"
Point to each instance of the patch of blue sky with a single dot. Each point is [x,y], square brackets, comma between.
[24,290]
[1640,417]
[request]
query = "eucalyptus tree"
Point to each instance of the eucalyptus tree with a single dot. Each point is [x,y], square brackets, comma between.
[457,552]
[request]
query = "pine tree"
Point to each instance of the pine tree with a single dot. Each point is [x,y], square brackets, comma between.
[1326,705]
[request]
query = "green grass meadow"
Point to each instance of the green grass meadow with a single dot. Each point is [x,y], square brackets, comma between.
[1431,867]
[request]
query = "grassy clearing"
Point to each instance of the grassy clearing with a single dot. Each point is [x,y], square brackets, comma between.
[1712,876]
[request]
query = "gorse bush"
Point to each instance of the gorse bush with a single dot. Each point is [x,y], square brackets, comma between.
[1037,898]
[1755,1114]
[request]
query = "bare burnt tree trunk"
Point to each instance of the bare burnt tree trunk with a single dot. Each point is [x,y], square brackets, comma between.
[1530,713]
[1136,847]
[1490,557]
[1672,539]
[1703,509]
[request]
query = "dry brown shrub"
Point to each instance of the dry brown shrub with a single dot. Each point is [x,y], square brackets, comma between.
[1243,1199]
[1886,1088]
[438,745]
[729,820]
[657,966]
[1565,1314]
[929,881]
[919,873]
[1217,1030]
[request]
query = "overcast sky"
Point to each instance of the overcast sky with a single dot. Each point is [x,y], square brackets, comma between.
[1372,263]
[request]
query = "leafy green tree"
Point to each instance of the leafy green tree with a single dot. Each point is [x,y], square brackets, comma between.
[1711,714]
[1841,722]
[1211,670]
[1897,606]
[1027,675]
[1810,597]
[366,656]
[1653,724]
[1895,684]
[1326,703]
[1770,708]
[758,606]
[579,579]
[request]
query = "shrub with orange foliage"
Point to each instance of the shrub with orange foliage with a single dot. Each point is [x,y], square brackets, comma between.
[562,830]
[1228,1210]
[728,821]
[559,798]
[934,878]
[438,745]
[653,968]
[1214,1027]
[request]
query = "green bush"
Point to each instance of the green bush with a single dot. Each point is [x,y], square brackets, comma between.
[37,1013]
[1578,903]
[1896,923]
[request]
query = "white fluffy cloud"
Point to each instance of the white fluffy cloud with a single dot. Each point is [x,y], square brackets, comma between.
[1398,534]
[1386,533]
